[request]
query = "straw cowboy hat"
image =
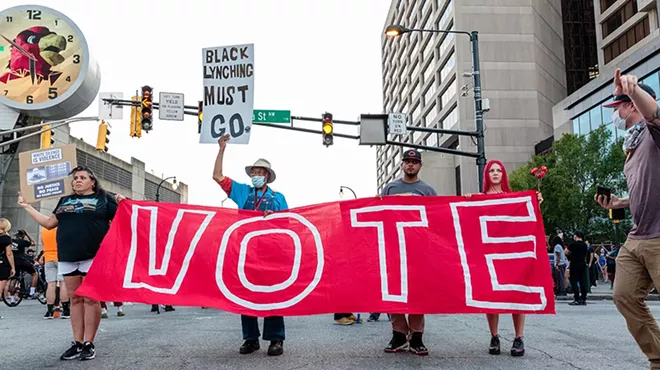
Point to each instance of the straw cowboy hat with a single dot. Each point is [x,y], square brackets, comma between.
[264,164]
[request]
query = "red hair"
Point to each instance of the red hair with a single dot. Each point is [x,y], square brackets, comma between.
[505,178]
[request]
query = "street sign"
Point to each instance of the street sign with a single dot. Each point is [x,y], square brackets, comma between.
[107,111]
[271,116]
[397,123]
[170,106]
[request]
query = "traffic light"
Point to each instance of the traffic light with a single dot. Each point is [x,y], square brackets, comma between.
[147,108]
[328,129]
[199,117]
[47,140]
[102,138]
[136,119]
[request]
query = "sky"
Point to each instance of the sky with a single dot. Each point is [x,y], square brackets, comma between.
[310,57]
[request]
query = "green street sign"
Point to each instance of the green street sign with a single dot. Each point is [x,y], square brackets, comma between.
[271,116]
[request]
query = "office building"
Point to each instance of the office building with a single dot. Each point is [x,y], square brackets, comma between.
[523,74]
[627,37]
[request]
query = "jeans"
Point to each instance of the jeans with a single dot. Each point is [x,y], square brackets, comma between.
[560,277]
[273,328]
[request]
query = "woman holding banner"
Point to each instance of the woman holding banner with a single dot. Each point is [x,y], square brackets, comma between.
[82,220]
[496,181]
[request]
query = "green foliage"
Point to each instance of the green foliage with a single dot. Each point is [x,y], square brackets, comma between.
[576,166]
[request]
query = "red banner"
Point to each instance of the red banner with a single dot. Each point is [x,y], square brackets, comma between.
[434,255]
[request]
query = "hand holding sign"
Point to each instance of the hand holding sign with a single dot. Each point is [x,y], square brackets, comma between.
[223,141]
[21,201]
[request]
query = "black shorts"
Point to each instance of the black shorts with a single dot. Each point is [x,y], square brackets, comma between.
[611,269]
[23,265]
[5,270]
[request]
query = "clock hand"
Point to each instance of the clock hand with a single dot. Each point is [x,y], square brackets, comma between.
[20,49]
[32,68]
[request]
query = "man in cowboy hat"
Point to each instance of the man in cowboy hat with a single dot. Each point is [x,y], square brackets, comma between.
[407,334]
[259,197]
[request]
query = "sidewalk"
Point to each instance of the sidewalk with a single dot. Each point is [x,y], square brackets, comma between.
[603,292]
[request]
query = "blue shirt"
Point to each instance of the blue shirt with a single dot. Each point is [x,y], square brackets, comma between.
[244,196]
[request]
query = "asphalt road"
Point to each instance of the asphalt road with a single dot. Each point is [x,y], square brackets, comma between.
[592,337]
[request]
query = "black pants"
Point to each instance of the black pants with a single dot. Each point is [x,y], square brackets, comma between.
[579,275]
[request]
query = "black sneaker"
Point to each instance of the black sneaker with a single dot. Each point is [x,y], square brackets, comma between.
[169,309]
[88,351]
[249,346]
[583,303]
[417,346]
[73,352]
[48,315]
[575,303]
[518,348]
[373,317]
[398,343]
[276,348]
[66,314]
[494,348]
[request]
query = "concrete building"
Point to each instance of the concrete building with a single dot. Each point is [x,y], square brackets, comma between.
[627,37]
[115,175]
[523,76]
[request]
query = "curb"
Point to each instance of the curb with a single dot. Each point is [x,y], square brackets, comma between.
[603,297]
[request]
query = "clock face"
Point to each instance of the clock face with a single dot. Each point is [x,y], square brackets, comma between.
[42,57]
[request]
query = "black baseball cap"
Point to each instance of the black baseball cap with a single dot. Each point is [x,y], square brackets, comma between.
[623,98]
[412,154]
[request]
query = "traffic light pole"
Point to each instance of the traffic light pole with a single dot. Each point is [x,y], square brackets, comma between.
[52,125]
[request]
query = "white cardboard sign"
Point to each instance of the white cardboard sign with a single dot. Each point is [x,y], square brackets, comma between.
[228,93]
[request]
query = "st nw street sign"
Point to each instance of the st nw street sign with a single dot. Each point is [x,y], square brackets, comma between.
[271,116]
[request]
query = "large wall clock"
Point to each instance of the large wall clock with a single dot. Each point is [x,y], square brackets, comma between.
[46,69]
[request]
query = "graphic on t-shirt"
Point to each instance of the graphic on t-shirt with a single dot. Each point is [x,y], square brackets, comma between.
[73,205]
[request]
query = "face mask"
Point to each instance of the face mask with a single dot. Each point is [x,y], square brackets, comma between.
[619,122]
[258,181]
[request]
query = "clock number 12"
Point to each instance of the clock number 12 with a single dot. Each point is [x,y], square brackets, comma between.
[34,14]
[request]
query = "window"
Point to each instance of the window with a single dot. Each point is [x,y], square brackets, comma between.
[428,71]
[430,116]
[605,4]
[446,43]
[416,89]
[612,131]
[415,71]
[404,107]
[576,127]
[627,40]
[432,140]
[429,20]
[619,17]
[417,136]
[415,114]
[404,90]
[596,117]
[449,94]
[428,50]
[450,120]
[446,14]
[585,127]
[415,50]
[653,82]
[448,67]
[429,95]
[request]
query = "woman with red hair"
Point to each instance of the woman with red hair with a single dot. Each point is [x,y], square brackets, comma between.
[496,181]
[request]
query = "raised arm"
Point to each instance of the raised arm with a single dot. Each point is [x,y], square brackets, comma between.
[218,176]
[48,222]
[645,103]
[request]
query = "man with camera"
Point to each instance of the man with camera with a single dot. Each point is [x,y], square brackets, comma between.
[638,262]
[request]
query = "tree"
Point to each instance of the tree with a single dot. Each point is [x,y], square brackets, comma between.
[576,166]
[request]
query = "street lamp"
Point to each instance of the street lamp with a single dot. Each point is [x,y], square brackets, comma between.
[341,191]
[396,30]
[174,186]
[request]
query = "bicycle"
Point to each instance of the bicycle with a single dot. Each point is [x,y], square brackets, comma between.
[17,288]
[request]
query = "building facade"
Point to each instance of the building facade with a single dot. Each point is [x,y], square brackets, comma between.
[627,34]
[523,74]
[115,175]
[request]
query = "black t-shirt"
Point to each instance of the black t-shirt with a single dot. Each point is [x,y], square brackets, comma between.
[5,240]
[19,247]
[83,221]
[578,253]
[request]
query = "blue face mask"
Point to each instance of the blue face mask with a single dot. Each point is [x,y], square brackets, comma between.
[258,181]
